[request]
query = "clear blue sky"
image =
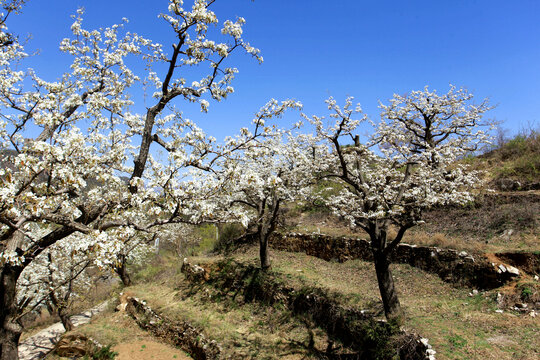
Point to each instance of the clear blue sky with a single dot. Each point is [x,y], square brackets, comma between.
[313,49]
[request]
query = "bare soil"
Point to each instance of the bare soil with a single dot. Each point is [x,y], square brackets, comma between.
[147,350]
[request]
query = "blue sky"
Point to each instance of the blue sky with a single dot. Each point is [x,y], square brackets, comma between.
[314,49]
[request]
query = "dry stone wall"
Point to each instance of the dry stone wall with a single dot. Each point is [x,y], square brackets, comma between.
[457,267]
[177,333]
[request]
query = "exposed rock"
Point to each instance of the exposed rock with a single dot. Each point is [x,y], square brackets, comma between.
[507,234]
[512,270]
[194,272]
[507,184]
[514,185]
[528,262]
[500,299]
[76,345]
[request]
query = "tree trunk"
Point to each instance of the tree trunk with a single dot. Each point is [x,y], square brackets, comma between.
[392,308]
[66,321]
[11,328]
[9,344]
[121,270]
[263,251]
[124,276]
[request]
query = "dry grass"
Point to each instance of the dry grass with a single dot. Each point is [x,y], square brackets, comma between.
[505,222]
[459,326]
[247,331]
[517,158]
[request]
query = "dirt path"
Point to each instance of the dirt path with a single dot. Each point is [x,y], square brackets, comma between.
[148,350]
[39,345]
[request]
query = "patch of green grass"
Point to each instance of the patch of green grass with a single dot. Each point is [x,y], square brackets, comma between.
[105,353]
[208,235]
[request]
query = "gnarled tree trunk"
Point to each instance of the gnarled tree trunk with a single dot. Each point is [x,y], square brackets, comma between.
[64,318]
[121,270]
[11,328]
[381,257]
[392,307]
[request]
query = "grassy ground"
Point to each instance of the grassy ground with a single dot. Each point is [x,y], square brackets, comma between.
[247,331]
[517,158]
[458,326]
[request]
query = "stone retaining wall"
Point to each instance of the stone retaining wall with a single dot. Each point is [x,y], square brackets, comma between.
[452,266]
[177,333]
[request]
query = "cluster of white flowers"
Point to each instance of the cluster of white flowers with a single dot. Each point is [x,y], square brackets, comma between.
[409,162]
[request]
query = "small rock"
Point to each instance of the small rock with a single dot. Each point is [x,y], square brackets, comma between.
[463,254]
[536,277]
[521,306]
[507,233]
[512,270]
[533,314]
[499,299]
[502,268]
[499,311]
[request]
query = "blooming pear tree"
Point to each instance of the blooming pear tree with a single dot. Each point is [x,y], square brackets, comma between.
[124,246]
[262,179]
[409,164]
[57,277]
[66,145]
